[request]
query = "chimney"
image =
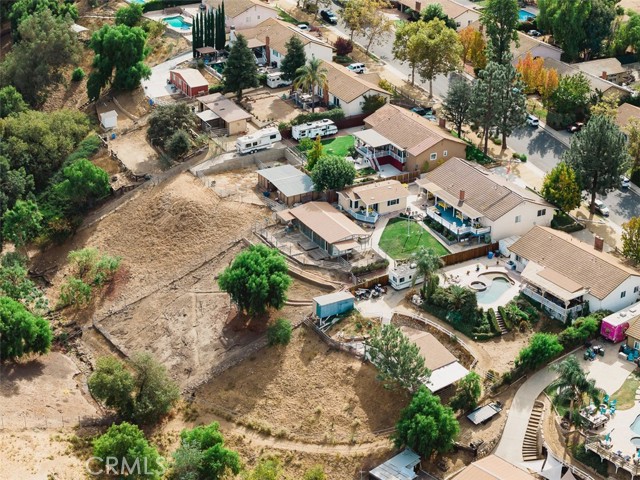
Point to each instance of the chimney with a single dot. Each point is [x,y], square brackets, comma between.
[461,197]
[442,122]
[232,35]
[598,243]
[604,75]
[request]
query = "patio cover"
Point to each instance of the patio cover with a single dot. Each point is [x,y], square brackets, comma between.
[288,180]
[373,138]
[207,116]
[553,282]
[552,469]
[484,413]
[255,43]
[346,245]
[285,216]
[455,202]
[445,376]
[205,50]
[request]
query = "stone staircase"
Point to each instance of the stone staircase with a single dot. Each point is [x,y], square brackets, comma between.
[531,446]
[501,325]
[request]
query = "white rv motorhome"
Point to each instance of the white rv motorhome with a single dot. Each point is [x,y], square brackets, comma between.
[313,129]
[401,276]
[258,140]
[275,80]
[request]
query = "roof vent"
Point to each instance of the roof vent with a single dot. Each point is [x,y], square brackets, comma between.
[623,314]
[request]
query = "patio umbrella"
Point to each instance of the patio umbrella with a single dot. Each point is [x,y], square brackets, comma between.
[552,469]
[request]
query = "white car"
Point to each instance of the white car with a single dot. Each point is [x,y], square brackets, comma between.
[601,208]
[303,27]
[532,120]
[625,182]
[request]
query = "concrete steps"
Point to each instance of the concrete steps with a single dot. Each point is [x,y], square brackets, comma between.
[530,444]
[501,325]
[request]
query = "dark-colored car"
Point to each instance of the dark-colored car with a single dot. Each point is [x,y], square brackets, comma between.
[575,127]
[422,111]
[329,17]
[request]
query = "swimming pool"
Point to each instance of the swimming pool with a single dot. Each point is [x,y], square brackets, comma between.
[498,286]
[523,15]
[177,22]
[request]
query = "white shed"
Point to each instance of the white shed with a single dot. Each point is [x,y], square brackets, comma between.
[109,119]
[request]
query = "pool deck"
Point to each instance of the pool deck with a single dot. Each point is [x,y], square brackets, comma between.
[464,274]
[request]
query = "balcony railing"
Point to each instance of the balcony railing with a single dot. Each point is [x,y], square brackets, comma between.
[432,212]
[370,217]
[560,312]
[368,153]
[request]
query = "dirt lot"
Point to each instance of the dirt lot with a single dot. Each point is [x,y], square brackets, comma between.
[267,105]
[136,153]
[239,185]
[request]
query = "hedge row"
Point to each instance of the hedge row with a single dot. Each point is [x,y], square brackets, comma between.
[493,321]
[505,318]
[161,4]
[335,115]
[371,267]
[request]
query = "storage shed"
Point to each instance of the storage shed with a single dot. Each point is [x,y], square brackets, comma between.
[109,120]
[401,467]
[189,81]
[289,184]
[333,304]
[614,326]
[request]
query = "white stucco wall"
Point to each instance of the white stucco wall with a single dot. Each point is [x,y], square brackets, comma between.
[252,17]
[467,18]
[355,106]
[506,225]
[613,301]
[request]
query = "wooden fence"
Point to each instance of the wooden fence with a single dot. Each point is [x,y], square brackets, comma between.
[469,254]
[370,282]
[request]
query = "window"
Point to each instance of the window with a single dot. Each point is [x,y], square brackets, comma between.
[635,289]
[542,213]
[433,156]
[518,218]
[336,101]
[401,279]
[445,153]
[272,137]
[393,202]
[275,54]
[518,258]
[623,294]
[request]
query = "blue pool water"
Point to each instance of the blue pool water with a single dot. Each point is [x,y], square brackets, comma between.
[177,22]
[635,426]
[523,15]
[494,290]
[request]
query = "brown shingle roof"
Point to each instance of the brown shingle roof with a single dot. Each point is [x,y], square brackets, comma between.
[327,222]
[493,468]
[596,83]
[347,85]
[580,262]
[407,130]
[224,107]
[449,7]
[279,33]
[611,66]
[490,195]
[378,192]
[625,113]
[192,77]
[236,7]
[634,328]
[435,354]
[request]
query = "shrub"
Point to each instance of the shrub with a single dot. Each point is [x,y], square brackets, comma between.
[520,156]
[178,144]
[305,144]
[476,155]
[262,79]
[505,318]
[343,46]
[344,60]
[74,292]
[279,332]
[370,267]
[388,86]
[335,114]
[493,321]
[217,88]
[77,75]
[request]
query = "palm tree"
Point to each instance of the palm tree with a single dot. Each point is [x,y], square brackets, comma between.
[311,76]
[427,264]
[572,383]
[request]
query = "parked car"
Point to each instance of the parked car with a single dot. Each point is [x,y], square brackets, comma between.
[625,182]
[357,67]
[601,208]
[534,33]
[329,17]
[422,111]
[575,127]
[304,27]
[533,121]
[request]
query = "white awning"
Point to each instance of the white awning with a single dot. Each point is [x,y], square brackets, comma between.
[445,376]
[207,116]
[372,138]
[553,282]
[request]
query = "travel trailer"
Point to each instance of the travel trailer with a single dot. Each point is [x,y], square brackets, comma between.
[402,276]
[258,140]
[275,80]
[313,129]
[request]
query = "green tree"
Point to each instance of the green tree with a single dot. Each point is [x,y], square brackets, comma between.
[397,358]
[221,35]
[572,95]
[178,144]
[500,18]
[512,103]
[257,279]
[14,185]
[315,153]
[294,59]
[168,119]
[632,129]
[21,332]
[371,103]
[279,332]
[153,394]
[572,383]
[434,10]
[485,99]
[631,239]
[561,187]
[315,473]
[267,469]
[332,173]
[426,425]
[83,184]
[22,10]
[600,26]
[375,24]
[311,76]
[90,266]
[607,106]
[37,63]
[22,223]
[15,284]
[456,106]
[127,444]
[409,45]
[119,54]
[468,391]
[542,347]
[428,262]
[203,456]
[11,102]
[599,156]
[130,15]
[240,71]
[354,13]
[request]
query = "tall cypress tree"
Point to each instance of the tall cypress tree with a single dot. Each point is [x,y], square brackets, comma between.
[220,30]
[203,31]
[194,41]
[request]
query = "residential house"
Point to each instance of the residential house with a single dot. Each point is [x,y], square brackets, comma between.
[268,39]
[347,90]
[328,228]
[367,202]
[598,84]
[401,467]
[563,274]
[244,13]
[494,468]
[189,81]
[471,202]
[461,14]
[445,368]
[632,331]
[625,113]
[216,111]
[289,184]
[537,48]
[397,140]
[609,69]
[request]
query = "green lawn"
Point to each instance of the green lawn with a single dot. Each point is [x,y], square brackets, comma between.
[396,244]
[626,395]
[338,146]
[285,17]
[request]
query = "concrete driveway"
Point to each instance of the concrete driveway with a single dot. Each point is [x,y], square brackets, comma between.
[156,86]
